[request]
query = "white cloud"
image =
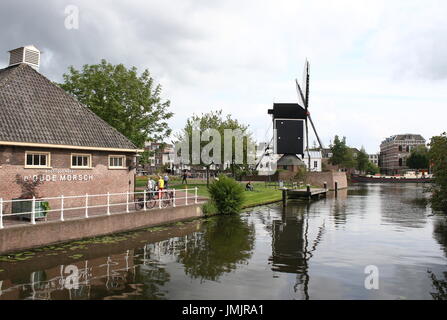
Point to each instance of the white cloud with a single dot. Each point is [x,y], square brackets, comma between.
[377,67]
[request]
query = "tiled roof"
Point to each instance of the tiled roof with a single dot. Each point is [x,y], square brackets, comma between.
[34,110]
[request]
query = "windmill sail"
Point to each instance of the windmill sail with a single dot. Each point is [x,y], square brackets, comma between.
[306,84]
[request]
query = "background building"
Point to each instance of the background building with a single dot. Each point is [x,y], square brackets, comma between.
[315,161]
[395,150]
[374,158]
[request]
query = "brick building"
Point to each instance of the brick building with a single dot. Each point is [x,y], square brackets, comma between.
[395,150]
[46,135]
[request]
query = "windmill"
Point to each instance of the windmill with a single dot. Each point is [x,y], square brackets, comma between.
[291,125]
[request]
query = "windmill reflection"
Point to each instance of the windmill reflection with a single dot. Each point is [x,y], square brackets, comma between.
[292,248]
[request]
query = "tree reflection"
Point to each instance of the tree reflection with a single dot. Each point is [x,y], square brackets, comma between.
[440,285]
[225,242]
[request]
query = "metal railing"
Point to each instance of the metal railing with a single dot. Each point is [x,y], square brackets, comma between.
[61,208]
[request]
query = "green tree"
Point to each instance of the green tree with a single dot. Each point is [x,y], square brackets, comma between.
[362,160]
[438,162]
[342,155]
[216,120]
[419,158]
[372,168]
[129,102]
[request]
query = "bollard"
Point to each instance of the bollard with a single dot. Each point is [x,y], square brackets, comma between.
[62,208]
[33,211]
[336,188]
[1,213]
[309,194]
[325,185]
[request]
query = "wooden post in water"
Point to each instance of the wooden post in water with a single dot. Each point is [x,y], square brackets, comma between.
[309,194]
[325,185]
[336,188]
[284,198]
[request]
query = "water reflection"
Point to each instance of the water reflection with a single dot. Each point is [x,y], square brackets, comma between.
[309,250]
[398,207]
[440,284]
[291,245]
[225,243]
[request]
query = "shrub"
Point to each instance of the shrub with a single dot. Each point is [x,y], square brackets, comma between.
[209,209]
[227,195]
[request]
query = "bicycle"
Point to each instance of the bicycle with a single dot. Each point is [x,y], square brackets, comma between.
[153,199]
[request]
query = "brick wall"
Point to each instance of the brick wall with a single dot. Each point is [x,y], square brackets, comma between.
[60,179]
[318,179]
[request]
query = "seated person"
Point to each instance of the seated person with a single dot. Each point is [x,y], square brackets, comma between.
[249,186]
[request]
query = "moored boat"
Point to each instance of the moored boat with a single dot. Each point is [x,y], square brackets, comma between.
[409,177]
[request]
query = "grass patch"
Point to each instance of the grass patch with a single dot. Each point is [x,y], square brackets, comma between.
[262,194]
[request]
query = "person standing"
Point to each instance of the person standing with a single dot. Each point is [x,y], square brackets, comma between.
[166,180]
[161,186]
[151,186]
[184,177]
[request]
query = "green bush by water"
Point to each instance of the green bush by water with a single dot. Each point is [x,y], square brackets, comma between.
[227,195]
[209,209]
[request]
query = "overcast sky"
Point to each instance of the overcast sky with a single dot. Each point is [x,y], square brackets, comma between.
[378,68]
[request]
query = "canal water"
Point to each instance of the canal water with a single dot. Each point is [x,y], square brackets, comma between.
[310,250]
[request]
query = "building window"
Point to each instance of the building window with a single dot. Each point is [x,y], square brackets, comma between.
[81,161]
[315,164]
[117,162]
[37,159]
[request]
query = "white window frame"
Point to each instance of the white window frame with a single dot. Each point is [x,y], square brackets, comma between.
[88,155]
[47,154]
[117,156]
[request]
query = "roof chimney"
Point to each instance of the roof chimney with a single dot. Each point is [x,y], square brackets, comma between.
[28,54]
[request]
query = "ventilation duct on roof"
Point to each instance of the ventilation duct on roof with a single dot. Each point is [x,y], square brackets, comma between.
[28,54]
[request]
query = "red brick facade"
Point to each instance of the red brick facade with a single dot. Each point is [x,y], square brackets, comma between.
[60,178]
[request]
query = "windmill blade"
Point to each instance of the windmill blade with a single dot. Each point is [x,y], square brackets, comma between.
[315,131]
[306,79]
[263,155]
[301,99]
